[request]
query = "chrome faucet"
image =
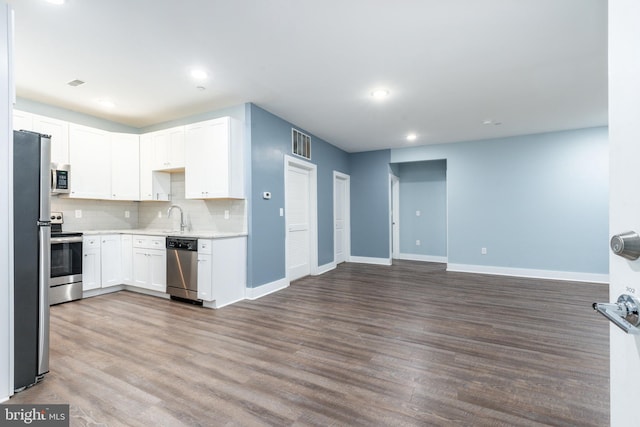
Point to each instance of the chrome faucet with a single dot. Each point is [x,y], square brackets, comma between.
[182,224]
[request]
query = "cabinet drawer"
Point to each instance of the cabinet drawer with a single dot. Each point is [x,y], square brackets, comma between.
[91,242]
[149,242]
[204,246]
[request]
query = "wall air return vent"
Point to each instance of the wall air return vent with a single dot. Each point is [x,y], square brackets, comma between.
[301,144]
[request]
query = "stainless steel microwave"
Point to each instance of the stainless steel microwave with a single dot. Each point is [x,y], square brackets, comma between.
[60,178]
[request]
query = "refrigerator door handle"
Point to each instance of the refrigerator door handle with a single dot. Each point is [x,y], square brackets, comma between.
[45,178]
[43,299]
[54,179]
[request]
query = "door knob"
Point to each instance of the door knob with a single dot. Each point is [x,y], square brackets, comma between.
[627,245]
[625,313]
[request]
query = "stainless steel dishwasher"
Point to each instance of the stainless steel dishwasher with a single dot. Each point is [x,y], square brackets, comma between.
[182,268]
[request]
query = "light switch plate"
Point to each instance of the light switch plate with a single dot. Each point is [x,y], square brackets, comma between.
[78,213]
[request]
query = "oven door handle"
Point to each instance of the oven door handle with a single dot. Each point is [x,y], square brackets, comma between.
[58,240]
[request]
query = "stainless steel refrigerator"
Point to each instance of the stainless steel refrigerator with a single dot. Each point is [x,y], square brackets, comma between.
[32,252]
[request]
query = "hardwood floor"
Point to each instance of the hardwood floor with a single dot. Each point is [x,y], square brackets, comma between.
[364,345]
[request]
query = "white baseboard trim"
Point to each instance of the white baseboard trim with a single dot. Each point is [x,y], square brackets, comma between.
[102,291]
[324,268]
[147,292]
[531,273]
[4,398]
[215,305]
[370,260]
[426,258]
[266,289]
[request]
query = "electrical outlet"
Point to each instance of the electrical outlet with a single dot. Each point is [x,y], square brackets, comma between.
[281,211]
[127,214]
[418,243]
[418,213]
[226,214]
[78,213]
[159,214]
[483,251]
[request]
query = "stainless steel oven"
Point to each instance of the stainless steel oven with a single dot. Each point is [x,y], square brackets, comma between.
[65,279]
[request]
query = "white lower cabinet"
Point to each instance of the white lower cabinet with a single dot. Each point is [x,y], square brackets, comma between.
[149,263]
[91,276]
[110,260]
[141,261]
[127,258]
[222,270]
[101,261]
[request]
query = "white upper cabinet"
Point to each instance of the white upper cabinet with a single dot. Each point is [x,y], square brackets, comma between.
[90,160]
[168,149]
[125,166]
[59,132]
[214,160]
[57,129]
[22,120]
[154,185]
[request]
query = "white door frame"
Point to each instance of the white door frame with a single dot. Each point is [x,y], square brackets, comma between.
[347,215]
[394,216]
[313,212]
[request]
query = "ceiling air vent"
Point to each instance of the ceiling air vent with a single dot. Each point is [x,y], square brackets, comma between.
[75,83]
[301,144]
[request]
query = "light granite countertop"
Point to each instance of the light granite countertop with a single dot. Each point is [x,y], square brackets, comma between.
[203,234]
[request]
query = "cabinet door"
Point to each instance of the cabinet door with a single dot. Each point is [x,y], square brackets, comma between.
[141,268]
[125,167]
[168,148]
[91,269]
[158,270]
[90,160]
[59,131]
[153,185]
[176,147]
[127,259]
[161,149]
[205,290]
[111,260]
[207,159]
[22,120]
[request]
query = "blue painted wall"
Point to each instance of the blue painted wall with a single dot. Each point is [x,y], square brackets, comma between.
[423,188]
[270,141]
[370,204]
[535,201]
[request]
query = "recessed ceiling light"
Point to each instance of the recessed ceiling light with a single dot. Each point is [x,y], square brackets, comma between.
[198,74]
[412,137]
[380,93]
[106,103]
[55,1]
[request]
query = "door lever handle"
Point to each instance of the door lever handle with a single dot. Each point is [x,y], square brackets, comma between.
[625,313]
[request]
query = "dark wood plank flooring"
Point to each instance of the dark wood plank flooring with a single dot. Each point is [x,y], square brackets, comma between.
[363,345]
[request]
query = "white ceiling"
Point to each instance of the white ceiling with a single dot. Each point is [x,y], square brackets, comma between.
[449,65]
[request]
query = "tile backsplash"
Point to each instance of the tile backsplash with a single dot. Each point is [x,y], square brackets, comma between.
[96,214]
[199,215]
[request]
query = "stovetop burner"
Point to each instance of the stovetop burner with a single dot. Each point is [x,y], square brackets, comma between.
[57,219]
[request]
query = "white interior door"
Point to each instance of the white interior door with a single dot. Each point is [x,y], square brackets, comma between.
[298,222]
[395,216]
[341,241]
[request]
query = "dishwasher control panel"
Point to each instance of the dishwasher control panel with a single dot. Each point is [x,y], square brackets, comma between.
[182,243]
